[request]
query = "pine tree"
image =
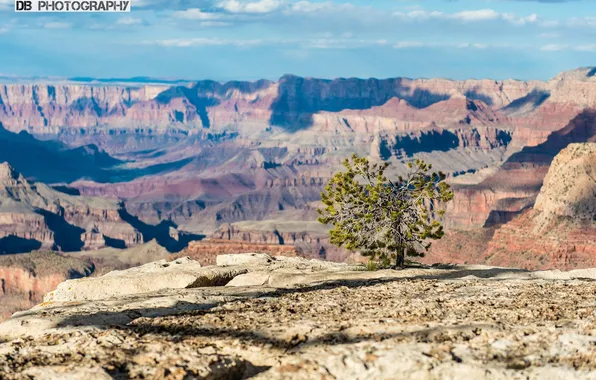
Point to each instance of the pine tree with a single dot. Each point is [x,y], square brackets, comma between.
[384,219]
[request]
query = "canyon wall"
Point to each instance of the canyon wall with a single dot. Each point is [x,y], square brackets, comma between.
[24,279]
[34,216]
[558,231]
[201,155]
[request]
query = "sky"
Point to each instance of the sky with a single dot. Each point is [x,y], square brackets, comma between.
[252,39]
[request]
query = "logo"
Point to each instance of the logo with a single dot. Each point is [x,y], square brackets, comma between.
[71,6]
[21,5]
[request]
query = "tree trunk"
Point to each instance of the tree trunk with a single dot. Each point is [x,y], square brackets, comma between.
[401,260]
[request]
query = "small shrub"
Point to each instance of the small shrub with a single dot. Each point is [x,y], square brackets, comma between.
[385,219]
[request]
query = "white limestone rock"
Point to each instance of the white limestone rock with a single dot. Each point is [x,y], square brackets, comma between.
[244,259]
[179,274]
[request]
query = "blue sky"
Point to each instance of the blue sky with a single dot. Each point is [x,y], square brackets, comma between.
[250,39]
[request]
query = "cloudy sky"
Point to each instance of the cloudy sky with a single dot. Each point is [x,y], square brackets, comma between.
[250,39]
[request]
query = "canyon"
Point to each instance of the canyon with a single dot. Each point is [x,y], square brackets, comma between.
[203,168]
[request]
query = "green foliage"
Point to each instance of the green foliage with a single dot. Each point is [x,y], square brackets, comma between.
[372,265]
[382,218]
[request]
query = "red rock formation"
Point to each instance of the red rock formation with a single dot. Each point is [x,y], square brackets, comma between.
[210,153]
[24,279]
[305,243]
[47,108]
[516,184]
[565,246]
[206,251]
[558,232]
[34,216]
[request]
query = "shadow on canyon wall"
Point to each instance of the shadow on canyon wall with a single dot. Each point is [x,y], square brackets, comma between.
[66,236]
[498,217]
[52,162]
[475,95]
[580,129]
[14,244]
[298,98]
[427,142]
[205,94]
[160,232]
[531,101]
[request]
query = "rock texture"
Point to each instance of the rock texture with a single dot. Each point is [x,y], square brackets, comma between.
[181,273]
[207,251]
[33,216]
[24,279]
[478,322]
[559,231]
[569,190]
[178,274]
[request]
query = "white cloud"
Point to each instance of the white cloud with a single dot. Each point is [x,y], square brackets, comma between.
[208,24]
[467,45]
[468,16]
[261,6]
[202,41]
[478,15]
[408,44]
[590,48]
[196,14]
[549,35]
[420,15]
[57,25]
[308,7]
[563,47]
[312,43]
[304,6]
[550,23]
[473,46]
[514,19]
[129,21]
[582,22]
[554,47]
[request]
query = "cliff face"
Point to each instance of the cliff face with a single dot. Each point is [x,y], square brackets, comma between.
[559,231]
[33,216]
[301,238]
[292,101]
[47,108]
[232,232]
[206,251]
[569,189]
[516,184]
[209,153]
[565,245]
[24,279]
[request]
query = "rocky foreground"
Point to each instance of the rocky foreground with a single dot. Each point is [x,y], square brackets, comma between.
[254,316]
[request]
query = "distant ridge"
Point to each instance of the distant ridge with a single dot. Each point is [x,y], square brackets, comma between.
[140,80]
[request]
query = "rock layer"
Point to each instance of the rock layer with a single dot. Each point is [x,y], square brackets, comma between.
[24,279]
[33,216]
[557,232]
